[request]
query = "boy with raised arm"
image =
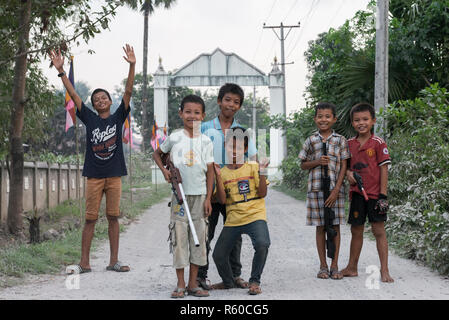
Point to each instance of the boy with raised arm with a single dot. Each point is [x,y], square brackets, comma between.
[104,163]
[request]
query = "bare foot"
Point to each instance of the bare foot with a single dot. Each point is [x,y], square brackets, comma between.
[385,277]
[348,272]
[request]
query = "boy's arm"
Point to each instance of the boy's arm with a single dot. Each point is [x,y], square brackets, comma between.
[131,59]
[221,193]
[308,165]
[210,188]
[58,62]
[383,179]
[334,193]
[158,159]
[262,189]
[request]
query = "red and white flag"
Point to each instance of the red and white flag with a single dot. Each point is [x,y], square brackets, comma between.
[70,118]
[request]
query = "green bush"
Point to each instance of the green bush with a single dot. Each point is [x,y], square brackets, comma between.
[419,177]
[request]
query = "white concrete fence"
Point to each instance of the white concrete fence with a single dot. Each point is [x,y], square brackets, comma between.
[44,185]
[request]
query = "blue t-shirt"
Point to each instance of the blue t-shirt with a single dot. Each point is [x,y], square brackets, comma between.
[213,130]
[104,149]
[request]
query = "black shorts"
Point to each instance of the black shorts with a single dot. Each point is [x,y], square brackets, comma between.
[360,208]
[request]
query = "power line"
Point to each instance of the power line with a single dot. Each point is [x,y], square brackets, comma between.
[290,10]
[306,19]
[261,32]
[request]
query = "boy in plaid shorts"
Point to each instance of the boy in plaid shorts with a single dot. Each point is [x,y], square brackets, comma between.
[313,160]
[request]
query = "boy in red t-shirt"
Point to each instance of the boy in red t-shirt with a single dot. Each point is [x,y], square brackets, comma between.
[370,159]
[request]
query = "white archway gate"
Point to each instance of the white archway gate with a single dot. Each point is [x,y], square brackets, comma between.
[216,69]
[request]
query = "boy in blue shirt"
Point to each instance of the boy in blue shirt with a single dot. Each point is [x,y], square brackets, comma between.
[230,100]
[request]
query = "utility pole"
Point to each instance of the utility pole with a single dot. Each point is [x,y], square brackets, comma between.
[282,38]
[381,71]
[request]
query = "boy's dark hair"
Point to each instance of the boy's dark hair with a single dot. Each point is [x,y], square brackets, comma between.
[324,106]
[95,92]
[237,133]
[192,98]
[361,107]
[231,88]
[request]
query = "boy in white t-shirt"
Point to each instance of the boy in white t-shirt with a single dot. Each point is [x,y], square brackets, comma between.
[192,153]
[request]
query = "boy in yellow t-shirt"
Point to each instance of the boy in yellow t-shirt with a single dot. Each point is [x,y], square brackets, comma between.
[242,186]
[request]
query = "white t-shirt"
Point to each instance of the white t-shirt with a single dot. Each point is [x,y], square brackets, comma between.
[190,156]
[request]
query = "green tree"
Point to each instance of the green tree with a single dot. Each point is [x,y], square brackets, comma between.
[28,30]
[341,62]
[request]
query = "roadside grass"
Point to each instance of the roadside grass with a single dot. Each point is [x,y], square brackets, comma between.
[298,194]
[50,257]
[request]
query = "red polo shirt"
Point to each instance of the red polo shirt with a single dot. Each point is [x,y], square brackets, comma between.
[366,161]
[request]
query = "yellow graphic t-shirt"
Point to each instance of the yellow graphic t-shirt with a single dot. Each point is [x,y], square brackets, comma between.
[243,204]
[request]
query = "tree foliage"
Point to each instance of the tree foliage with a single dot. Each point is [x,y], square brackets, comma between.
[418,179]
[341,62]
[28,30]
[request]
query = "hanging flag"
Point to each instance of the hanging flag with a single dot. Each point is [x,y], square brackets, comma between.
[155,136]
[70,118]
[165,133]
[127,131]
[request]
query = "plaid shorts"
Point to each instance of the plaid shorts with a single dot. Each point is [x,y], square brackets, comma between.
[315,209]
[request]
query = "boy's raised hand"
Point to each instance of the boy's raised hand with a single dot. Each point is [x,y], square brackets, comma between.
[130,56]
[263,165]
[57,59]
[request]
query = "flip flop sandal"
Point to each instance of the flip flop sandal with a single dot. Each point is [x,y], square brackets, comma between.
[197,292]
[204,283]
[240,283]
[219,286]
[178,293]
[254,289]
[335,274]
[323,273]
[118,267]
[76,269]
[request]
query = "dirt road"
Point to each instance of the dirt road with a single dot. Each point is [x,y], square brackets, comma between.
[290,272]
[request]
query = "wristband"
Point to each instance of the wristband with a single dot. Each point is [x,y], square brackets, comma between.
[61,74]
[382,196]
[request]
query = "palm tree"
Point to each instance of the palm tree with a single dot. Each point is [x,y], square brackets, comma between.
[147,8]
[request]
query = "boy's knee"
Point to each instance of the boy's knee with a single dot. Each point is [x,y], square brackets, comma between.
[320,229]
[112,218]
[90,222]
[262,246]
[357,231]
[378,230]
[217,256]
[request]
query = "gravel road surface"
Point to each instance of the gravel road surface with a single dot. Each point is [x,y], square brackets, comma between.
[290,271]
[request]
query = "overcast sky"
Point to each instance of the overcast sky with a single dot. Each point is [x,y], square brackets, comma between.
[193,27]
